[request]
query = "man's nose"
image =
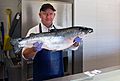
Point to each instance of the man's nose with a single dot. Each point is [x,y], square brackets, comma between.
[48,15]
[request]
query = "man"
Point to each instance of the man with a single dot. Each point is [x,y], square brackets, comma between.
[47,64]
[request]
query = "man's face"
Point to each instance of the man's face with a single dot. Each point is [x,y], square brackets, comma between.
[47,17]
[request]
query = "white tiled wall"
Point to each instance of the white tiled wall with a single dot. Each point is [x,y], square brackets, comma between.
[101,48]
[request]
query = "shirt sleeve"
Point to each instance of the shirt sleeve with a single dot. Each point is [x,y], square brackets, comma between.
[24,47]
[32,30]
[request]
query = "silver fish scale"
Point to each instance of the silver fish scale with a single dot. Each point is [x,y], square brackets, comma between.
[47,38]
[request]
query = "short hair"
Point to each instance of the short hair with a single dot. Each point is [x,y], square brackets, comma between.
[47,6]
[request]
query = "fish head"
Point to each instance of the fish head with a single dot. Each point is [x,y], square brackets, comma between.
[84,30]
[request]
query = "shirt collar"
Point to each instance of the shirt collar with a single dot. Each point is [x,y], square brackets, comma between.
[45,29]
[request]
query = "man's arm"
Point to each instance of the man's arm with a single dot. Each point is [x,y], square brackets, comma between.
[28,53]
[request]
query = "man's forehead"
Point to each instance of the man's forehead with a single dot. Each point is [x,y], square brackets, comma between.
[48,11]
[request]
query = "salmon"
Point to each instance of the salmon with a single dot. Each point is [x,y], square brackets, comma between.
[59,39]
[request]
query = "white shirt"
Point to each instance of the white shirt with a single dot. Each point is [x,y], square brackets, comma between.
[43,28]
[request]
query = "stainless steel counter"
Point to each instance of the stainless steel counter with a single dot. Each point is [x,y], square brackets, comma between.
[107,74]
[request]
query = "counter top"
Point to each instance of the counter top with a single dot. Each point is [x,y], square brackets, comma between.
[107,74]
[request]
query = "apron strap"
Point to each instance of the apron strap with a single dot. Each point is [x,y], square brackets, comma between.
[54,27]
[40,30]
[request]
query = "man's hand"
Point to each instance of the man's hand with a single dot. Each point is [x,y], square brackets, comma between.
[37,46]
[77,41]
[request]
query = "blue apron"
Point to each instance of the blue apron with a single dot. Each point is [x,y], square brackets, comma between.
[47,64]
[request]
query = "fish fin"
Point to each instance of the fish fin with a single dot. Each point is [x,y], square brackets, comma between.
[15,44]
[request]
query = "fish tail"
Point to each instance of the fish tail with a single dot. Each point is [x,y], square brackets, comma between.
[15,44]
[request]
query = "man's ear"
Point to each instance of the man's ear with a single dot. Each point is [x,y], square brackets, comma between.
[40,15]
[54,14]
